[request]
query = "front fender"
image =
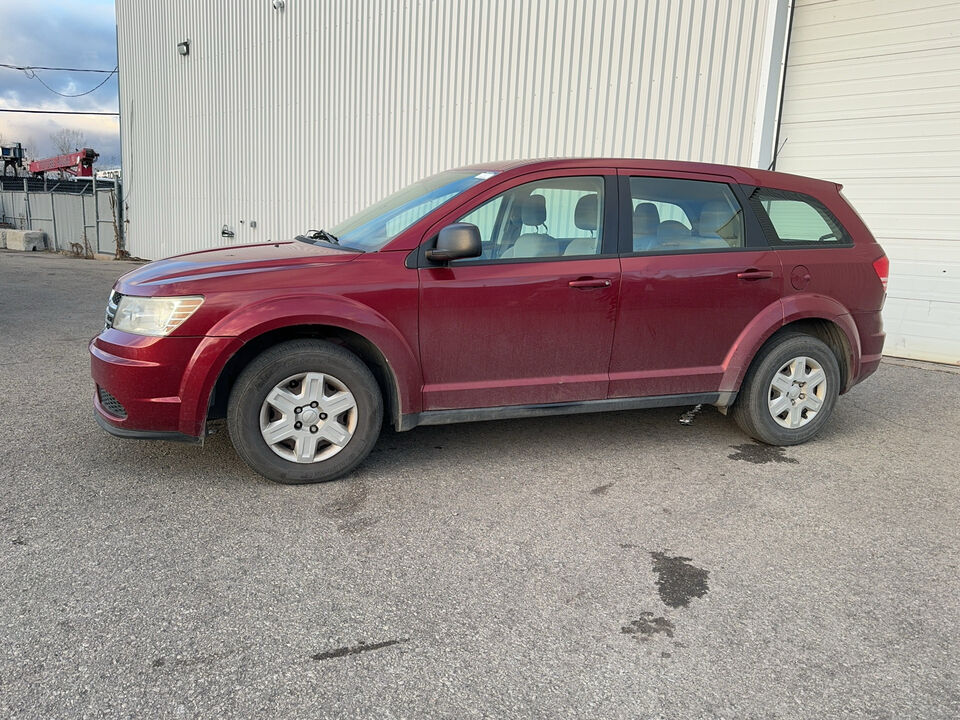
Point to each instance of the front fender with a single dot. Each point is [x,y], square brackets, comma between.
[777,315]
[251,321]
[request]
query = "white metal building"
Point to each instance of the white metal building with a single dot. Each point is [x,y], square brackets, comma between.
[284,116]
[872,100]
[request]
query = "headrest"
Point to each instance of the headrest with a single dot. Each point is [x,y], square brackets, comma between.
[646,219]
[585,215]
[714,215]
[534,210]
[672,230]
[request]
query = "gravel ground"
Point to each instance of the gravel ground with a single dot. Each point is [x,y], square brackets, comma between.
[607,566]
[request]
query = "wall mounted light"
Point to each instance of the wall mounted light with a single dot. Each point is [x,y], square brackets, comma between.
[184,47]
[279,4]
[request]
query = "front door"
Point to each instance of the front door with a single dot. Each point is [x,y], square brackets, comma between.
[531,321]
[695,274]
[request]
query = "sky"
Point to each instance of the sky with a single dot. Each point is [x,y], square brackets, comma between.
[59,33]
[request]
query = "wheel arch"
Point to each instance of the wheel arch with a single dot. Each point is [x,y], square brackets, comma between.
[252,328]
[832,336]
[815,315]
[368,352]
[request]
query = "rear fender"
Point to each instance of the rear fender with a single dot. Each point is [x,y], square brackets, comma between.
[821,307]
[774,317]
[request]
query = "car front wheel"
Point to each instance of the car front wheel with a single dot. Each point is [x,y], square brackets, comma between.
[305,411]
[789,391]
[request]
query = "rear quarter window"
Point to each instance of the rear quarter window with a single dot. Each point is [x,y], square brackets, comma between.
[792,219]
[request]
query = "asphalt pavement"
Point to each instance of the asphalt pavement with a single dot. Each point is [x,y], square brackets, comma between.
[618,565]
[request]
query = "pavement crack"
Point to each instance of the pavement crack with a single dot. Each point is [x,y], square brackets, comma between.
[884,418]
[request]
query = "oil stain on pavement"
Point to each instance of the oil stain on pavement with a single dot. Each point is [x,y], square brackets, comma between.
[678,582]
[647,626]
[602,489]
[355,649]
[760,454]
[353,497]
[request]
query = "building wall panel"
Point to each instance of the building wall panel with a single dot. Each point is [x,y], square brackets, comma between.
[298,118]
[872,100]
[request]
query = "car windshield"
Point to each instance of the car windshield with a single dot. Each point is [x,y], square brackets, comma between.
[375,226]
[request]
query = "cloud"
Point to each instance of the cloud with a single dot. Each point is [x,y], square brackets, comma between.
[62,33]
[34,131]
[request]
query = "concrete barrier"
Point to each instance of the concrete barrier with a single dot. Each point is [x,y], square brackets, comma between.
[23,239]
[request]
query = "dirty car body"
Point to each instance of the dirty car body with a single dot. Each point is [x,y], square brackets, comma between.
[505,290]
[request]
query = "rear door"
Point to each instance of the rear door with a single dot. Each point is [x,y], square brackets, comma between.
[531,321]
[695,273]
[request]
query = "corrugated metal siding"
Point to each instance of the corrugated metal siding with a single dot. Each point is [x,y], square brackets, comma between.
[13,209]
[872,100]
[298,118]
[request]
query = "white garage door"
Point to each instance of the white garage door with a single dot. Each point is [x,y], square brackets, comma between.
[872,101]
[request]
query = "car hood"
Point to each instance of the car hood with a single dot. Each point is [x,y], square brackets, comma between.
[224,263]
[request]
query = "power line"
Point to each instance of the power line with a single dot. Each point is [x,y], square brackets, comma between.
[32,74]
[65,69]
[55,112]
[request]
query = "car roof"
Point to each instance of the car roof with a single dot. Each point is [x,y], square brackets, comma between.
[740,174]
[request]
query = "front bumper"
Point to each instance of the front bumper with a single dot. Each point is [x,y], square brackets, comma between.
[142,434]
[154,386]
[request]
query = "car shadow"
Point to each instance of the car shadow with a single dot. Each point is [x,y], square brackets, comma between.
[567,439]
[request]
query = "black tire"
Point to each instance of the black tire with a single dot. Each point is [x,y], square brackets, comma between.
[751,410]
[272,367]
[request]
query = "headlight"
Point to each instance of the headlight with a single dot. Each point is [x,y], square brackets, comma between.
[154,315]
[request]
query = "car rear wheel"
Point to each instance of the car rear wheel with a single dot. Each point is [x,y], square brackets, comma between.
[305,411]
[789,391]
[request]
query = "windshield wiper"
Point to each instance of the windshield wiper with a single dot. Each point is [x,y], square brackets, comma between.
[324,236]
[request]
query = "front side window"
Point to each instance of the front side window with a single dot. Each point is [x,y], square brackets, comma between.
[794,219]
[670,214]
[557,217]
[374,227]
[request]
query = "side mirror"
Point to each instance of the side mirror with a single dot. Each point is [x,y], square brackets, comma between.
[460,240]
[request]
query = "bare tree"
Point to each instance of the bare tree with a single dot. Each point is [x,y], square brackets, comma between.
[29,146]
[66,141]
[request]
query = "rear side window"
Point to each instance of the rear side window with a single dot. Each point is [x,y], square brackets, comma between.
[791,219]
[672,214]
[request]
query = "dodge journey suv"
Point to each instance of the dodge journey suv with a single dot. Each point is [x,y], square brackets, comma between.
[501,291]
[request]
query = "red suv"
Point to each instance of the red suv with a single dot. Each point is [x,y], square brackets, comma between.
[499,291]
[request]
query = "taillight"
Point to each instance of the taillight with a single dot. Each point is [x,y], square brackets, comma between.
[882,267]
